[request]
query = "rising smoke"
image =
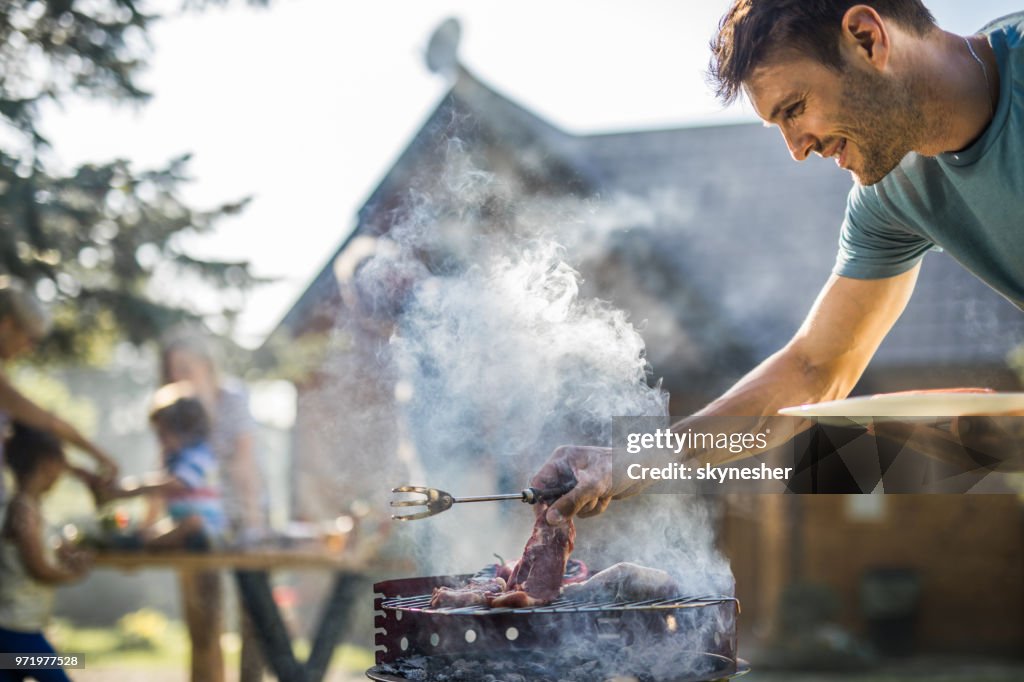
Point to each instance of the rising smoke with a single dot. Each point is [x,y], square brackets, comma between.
[498,359]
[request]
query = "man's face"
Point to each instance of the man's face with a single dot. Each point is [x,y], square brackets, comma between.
[865,120]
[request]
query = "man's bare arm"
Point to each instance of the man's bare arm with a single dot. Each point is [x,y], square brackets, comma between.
[823,361]
[825,358]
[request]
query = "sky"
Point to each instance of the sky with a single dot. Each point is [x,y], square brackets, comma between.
[304,106]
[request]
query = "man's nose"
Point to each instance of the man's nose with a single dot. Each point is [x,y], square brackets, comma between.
[800,144]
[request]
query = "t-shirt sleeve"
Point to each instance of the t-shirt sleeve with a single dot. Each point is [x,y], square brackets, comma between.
[192,467]
[872,243]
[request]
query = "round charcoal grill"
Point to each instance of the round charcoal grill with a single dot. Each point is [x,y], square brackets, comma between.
[684,639]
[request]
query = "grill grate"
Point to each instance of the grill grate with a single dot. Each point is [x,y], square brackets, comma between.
[421,604]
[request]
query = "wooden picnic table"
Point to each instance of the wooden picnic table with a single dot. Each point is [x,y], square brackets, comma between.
[251,570]
[258,559]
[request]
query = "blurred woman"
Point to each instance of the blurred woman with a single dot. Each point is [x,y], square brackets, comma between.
[188,357]
[23,323]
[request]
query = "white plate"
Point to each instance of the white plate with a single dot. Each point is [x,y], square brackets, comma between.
[909,406]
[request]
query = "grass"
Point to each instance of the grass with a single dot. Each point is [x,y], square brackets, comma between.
[106,647]
[922,669]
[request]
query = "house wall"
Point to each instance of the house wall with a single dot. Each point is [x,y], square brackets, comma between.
[968,552]
[755,536]
[889,379]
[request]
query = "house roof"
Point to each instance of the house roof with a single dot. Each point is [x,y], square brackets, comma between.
[727,215]
[470,111]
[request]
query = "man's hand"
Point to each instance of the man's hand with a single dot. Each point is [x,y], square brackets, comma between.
[595,486]
[995,443]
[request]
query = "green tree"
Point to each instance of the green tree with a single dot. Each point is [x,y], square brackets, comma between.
[91,241]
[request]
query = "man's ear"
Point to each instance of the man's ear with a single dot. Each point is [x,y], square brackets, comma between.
[865,38]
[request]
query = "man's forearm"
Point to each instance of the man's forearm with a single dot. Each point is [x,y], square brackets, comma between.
[751,406]
[824,360]
[786,378]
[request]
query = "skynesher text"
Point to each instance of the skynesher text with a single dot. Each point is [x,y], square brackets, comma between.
[681,472]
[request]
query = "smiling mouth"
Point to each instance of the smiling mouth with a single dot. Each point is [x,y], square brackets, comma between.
[840,154]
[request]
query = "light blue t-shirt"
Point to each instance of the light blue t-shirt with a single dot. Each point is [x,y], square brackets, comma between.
[969,203]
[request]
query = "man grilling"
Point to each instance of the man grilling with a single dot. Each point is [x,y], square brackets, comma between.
[931,126]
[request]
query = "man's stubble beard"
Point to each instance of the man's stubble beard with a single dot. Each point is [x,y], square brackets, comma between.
[884,121]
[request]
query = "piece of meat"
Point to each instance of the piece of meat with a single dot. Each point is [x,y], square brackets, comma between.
[575,572]
[535,579]
[504,571]
[516,599]
[476,593]
[539,571]
[624,582]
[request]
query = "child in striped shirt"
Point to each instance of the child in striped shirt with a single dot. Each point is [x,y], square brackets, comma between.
[188,480]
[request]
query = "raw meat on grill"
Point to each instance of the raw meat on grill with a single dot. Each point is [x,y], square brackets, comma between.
[533,580]
[575,571]
[476,593]
[624,582]
[540,570]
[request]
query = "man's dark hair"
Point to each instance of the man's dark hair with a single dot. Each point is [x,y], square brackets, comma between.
[753,30]
[26,448]
[185,417]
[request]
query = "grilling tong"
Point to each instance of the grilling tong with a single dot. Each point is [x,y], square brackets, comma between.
[437,501]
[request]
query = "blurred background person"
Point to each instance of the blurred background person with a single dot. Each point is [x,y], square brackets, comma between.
[23,323]
[188,484]
[188,356]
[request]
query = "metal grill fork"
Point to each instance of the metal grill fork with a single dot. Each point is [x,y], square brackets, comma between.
[437,501]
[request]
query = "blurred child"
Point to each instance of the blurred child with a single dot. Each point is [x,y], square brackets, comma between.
[29,567]
[188,484]
[188,480]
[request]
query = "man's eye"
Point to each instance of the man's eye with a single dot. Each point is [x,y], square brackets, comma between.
[793,110]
